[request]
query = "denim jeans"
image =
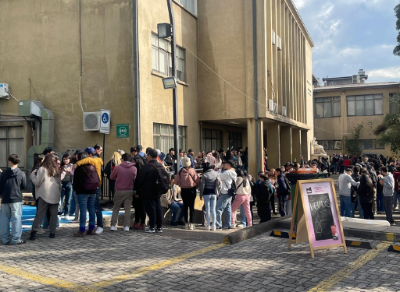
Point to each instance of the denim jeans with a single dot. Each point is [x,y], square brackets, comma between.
[175,207]
[346,206]
[210,205]
[243,218]
[66,197]
[360,209]
[73,205]
[86,204]
[282,205]
[380,204]
[334,168]
[224,205]
[396,199]
[10,211]
[98,208]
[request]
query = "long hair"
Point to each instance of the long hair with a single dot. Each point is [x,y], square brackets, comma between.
[65,156]
[50,164]
[38,160]
[116,158]
[240,173]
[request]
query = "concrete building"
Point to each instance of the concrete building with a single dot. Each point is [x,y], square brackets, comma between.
[346,102]
[77,56]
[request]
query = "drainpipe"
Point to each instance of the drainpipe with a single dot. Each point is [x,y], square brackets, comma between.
[136,70]
[258,150]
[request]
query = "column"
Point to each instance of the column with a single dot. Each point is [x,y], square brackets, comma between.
[305,145]
[296,144]
[273,145]
[286,144]
[252,139]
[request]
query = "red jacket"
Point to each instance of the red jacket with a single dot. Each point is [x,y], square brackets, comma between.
[124,175]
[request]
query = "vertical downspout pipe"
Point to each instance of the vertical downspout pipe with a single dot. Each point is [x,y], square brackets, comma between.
[136,70]
[258,150]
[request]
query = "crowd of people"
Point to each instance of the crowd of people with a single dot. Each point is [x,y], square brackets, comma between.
[71,187]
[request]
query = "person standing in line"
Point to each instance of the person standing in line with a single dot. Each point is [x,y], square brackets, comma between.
[110,166]
[366,192]
[97,162]
[388,189]
[146,184]
[396,195]
[380,199]
[227,177]
[356,177]
[264,194]
[66,182]
[12,181]
[242,197]
[187,179]
[170,159]
[47,181]
[85,183]
[273,181]
[282,191]
[345,182]
[124,176]
[191,157]
[209,190]
[98,150]
[138,202]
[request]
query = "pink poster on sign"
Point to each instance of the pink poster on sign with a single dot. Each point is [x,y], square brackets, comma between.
[321,215]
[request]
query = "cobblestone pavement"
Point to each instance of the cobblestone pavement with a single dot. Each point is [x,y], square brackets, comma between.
[134,261]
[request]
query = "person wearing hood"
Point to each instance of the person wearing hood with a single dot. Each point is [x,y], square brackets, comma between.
[388,189]
[11,182]
[264,194]
[124,175]
[227,176]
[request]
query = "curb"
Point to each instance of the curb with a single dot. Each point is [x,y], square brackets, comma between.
[394,248]
[282,234]
[250,232]
[359,244]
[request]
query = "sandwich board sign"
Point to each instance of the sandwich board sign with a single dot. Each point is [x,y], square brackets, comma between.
[318,217]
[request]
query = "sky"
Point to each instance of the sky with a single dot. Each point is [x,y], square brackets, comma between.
[350,35]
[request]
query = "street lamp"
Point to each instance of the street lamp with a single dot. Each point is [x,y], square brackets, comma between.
[166,30]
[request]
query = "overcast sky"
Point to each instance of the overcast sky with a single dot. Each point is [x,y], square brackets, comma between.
[352,34]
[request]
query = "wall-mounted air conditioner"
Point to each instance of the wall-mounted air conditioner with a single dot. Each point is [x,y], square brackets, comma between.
[91,121]
[271,105]
[4,91]
[275,108]
[273,38]
[279,43]
[284,111]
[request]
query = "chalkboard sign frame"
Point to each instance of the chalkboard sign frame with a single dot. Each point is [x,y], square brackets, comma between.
[321,188]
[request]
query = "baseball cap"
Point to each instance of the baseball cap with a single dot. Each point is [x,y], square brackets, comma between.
[90,150]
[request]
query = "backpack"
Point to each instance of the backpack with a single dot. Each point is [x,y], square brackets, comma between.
[162,180]
[92,181]
[287,182]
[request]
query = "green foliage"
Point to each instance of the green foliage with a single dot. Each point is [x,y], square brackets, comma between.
[353,144]
[396,50]
[388,131]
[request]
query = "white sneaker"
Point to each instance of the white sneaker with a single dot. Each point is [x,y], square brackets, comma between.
[75,221]
[214,228]
[113,228]
[99,230]
[126,228]
[208,228]
[191,226]
[187,226]
[41,231]
[240,226]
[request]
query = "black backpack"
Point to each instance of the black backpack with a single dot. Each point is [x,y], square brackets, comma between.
[162,179]
[287,182]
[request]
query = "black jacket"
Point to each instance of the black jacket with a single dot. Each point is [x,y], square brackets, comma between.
[264,193]
[366,189]
[169,160]
[145,183]
[11,183]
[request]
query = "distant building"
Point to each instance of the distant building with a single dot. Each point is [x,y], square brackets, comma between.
[345,102]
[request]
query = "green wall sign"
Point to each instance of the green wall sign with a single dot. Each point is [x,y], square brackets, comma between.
[122,130]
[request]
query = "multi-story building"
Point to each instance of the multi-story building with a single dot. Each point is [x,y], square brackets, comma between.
[243,67]
[343,103]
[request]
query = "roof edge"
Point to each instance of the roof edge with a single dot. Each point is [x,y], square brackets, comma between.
[296,13]
[355,87]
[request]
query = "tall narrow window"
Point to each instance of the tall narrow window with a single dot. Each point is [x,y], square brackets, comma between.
[11,142]
[163,137]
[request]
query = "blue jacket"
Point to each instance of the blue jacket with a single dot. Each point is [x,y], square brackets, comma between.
[282,189]
[192,161]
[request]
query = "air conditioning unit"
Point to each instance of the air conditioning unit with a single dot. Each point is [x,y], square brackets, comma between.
[284,111]
[275,108]
[4,91]
[271,105]
[279,42]
[273,38]
[91,121]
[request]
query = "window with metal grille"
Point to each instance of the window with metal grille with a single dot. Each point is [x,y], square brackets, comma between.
[12,142]
[163,137]
[212,140]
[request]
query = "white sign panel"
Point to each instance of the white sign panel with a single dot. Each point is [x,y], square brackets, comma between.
[105,122]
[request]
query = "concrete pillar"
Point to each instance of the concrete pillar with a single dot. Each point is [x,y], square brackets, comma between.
[273,145]
[305,145]
[286,144]
[254,165]
[296,144]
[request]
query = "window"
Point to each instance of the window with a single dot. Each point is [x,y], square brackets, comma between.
[212,140]
[163,137]
[393,103]
[11,142]
[331,144]
[369,144]
[190,5]
[161,58]
[365,105]
[234,140]
[327,107]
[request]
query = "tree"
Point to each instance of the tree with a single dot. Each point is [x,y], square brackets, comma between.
[353,144]
[388,131]
[396,50]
